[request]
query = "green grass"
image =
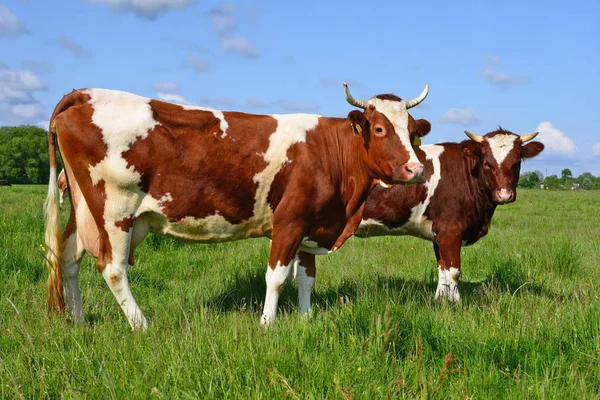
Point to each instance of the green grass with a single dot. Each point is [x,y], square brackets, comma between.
[528,325]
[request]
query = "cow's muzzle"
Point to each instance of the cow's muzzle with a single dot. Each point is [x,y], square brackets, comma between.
[409,173]
[503,196]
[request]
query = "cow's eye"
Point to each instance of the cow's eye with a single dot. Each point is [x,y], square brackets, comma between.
[378,129]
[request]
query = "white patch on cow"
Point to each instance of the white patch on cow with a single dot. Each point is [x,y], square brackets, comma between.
[312,247]
[218,114]
[418,224]
[397,114]
[501,146]
[150,204]
[276,279]
[123,118]
[291,129]
[447,288]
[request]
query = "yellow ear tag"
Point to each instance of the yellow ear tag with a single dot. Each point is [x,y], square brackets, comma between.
[357,129]
[417,142]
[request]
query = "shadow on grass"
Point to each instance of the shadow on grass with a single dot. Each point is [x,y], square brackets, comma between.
[248,291]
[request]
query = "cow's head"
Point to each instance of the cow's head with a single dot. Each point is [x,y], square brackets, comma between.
[387,131]
[496,157]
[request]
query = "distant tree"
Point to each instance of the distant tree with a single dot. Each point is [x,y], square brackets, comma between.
[586,184]
[552,182]
[566,178]
[585,181]
[24,154]
[566,174]
[529,180]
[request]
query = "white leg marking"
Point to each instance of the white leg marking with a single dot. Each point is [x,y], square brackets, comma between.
[72,255]
[115,275]
[447,288]
[305,285]
[276,280]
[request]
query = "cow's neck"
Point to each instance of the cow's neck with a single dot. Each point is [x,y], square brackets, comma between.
[485,206]
[355,180]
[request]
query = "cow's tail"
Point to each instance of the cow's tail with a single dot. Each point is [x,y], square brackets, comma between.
[53,234]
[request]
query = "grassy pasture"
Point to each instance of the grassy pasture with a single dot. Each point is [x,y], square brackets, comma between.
[528,325]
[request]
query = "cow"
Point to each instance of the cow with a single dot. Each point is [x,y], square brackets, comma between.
[62,187]
[464,182]
[135,165]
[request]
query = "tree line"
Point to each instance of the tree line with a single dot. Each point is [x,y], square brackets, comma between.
[24,160]
[566,181]
[24,155]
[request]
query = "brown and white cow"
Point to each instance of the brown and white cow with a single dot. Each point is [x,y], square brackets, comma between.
[464,182]
[136,165]
[62,186]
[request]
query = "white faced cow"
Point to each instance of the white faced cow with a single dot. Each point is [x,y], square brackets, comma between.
[136,165]
[464,182]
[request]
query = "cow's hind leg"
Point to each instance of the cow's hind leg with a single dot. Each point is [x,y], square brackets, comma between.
[112,263]
[72,254]
[447,252]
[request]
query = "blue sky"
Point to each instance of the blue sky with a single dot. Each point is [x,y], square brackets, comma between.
[526,66]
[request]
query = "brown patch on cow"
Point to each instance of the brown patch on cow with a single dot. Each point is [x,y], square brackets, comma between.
[204,171]
[388,96]
[126,223]
[308,261]
[115,279]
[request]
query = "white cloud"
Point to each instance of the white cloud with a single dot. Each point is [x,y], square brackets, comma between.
[17,86]
[173,98]
[553,139]
[166,87]
[461,116]
[197,64]
[239,45]
[502,79]
[26,111]
[10,25]
[490,58]
[72,47]
[222,18]
[149,9]
[596,148]
[43,124]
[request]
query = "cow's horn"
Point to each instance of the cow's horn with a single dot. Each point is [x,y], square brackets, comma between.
[527,138]
[418,99]
[477,138]
[356,103]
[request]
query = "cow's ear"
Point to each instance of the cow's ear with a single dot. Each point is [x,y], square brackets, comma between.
[532,149]
[471,148]
[358,122]
[472,152]
[423,127]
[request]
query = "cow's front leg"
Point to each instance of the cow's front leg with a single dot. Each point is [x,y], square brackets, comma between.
[284,246]
[447,252]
